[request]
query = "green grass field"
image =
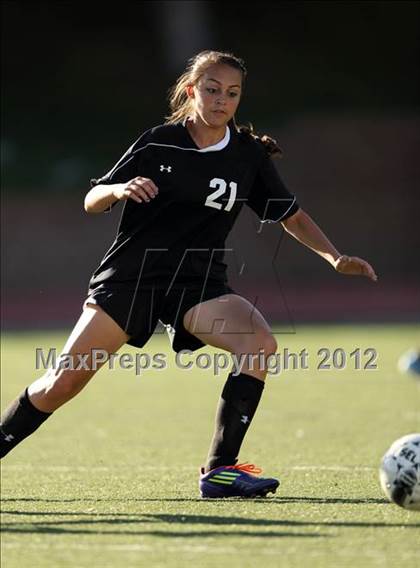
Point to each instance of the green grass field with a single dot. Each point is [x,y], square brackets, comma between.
[111,479]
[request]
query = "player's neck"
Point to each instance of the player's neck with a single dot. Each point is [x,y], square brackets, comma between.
[202,134]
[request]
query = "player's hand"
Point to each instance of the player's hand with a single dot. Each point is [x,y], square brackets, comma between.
[354,265]
[139,189]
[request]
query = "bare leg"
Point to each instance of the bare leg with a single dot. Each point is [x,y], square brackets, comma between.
[94,330]
[232,323]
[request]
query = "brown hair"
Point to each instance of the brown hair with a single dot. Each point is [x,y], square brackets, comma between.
[181,105]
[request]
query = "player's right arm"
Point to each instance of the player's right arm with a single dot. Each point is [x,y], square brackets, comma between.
[103,196]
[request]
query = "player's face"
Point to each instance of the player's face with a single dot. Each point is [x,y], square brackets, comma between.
[217,94]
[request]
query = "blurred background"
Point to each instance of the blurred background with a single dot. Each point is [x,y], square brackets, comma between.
[336,83]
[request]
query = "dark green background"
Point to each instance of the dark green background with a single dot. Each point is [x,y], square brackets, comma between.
[80,80]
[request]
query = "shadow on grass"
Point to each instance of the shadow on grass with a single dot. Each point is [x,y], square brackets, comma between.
[265,501]
[164,534]
[333,500]
[91,521]
[113,521]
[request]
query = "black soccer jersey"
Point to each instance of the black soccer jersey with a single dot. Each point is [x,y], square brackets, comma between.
[181,233]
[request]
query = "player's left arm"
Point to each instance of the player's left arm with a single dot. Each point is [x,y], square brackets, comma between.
[305,230]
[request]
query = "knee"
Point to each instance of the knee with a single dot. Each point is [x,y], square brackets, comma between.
[268,343]
[261,341]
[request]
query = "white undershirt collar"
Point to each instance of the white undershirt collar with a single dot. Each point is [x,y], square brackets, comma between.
[214,147]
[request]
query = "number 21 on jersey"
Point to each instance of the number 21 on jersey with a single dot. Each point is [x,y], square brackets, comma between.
[221,187]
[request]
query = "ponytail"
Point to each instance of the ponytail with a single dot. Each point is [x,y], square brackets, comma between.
[270,145]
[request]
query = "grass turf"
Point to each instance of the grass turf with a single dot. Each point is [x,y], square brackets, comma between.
[111,479]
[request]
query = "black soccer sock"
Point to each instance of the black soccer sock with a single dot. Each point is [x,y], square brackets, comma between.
[237,405]
[18,421]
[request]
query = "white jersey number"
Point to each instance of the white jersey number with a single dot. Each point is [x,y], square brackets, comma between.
[221,185]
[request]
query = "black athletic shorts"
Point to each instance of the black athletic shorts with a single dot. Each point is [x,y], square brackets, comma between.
[138,311]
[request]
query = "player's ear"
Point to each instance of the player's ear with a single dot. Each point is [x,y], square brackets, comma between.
[190,91]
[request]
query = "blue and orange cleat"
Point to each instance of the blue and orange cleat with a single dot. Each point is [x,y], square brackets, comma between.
[236,481]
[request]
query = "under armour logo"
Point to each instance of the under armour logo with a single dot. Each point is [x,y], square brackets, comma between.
[166,168]
[244,419]
[9,438]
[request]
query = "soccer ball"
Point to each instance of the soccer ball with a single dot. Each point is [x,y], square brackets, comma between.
[399,472]
[409,362]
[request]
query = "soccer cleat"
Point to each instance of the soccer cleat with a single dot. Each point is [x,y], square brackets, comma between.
[236,481]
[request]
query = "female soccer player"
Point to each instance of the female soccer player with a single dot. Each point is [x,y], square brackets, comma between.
[184,183]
